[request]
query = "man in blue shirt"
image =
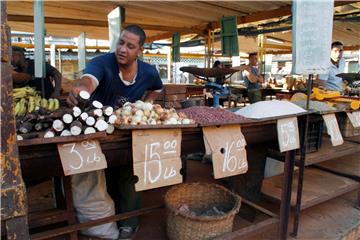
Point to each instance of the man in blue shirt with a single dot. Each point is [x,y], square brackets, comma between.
[336,66]
[114,79]
[253,79]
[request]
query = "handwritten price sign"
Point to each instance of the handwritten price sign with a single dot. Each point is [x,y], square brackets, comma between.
[333,129]
[227,145]
[288,134]
[80,157]
[354,118]
[156,157]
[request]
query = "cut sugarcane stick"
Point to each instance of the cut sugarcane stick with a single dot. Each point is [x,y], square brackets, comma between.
[110,129]
[84,95]
[84,116]
[67,118]
[112,119]
[90,121]
[76,111]
[38,126]
[19,137]
[95,112]
[58,125]
[97,104]
[65,133]
[101,125]
[89,130]
[76,128]
[26,127]
[49,134]
[108,110]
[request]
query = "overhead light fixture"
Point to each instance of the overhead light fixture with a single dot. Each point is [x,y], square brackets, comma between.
[275,40]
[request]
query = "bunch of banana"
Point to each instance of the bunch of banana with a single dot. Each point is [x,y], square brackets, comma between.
[21,107]
[23,92]
[33,103]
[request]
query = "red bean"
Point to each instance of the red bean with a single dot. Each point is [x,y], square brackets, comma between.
[207,115]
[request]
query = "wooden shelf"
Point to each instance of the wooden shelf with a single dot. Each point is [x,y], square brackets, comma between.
[349,166]
[329,152]
[319,186]
[326,152]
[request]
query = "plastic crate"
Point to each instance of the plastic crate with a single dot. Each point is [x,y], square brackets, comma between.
[314,134]
[346,128]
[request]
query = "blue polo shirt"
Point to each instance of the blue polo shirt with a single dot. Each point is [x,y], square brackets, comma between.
[250,85]
[112,90]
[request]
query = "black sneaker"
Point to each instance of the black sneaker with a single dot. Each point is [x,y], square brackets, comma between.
[127,233]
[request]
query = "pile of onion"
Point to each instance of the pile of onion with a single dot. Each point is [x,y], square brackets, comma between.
[145,113]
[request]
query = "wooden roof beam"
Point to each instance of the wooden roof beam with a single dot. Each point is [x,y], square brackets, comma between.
[97,23]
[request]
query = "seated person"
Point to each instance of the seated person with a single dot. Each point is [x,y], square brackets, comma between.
[24,74]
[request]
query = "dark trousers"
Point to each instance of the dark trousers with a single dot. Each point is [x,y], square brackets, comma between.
[121,187]
[254,95]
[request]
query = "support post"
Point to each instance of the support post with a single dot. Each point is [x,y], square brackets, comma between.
[115,18]
[53,55]
[39,35]
[13,195]
[81,52]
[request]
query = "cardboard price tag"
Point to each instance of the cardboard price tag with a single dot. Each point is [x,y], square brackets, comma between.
[227,145]
[80,157]
[288,134]
[354,118]
[333,129]
[156,157]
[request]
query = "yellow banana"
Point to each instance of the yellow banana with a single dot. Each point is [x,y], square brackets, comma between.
[23,107]
[56,104]
[44,103]
[37,101]
[31,104]
[17,108]
[51,104]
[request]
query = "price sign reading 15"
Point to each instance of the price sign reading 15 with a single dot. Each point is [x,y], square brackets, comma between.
[79,157]
[156,157]
[288,134]
[333,129]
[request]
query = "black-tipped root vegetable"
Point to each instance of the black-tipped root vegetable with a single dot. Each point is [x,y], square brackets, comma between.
[26,127]
[76,128]
[58,125]
[101,125]
[65,133]
[110,129]
[89,130]
[97,104]
[49,134]
[108,110]
[67,118]
[90,121]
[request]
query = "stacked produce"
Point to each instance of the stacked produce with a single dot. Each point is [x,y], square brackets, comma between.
[145,113]
[208,115]
[28,100]
[85,118]
[334,98]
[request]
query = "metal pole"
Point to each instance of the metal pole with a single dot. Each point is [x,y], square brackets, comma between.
[81,51]
[114,23]
[39,34]
[302,162]
[286,193]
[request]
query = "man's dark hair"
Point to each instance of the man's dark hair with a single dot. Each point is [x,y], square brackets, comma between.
[336,44]
[252,54]
[216,63]
[135,29]
[18,49]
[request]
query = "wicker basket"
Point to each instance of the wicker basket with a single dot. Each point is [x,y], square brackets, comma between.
[197,196]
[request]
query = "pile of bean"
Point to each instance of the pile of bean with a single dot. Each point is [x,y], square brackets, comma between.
[207,115]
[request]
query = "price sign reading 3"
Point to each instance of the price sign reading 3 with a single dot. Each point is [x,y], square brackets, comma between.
[79,157]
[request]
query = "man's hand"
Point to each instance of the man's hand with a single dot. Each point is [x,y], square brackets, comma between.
[74,93]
